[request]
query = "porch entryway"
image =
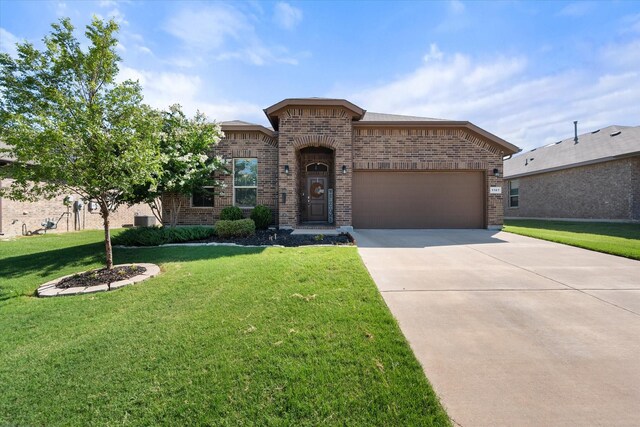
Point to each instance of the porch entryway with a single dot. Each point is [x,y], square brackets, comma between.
[316,183]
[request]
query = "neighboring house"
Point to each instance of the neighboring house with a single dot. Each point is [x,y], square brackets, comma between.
[596,176]
[17,218]
[328,162]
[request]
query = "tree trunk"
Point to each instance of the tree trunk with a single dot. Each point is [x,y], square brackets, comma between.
[107,237]
[175,209]
[156,209]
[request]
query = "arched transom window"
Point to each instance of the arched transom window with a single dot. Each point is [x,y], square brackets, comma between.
[317,167]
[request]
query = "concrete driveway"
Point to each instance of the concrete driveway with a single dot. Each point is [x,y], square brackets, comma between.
[514,331]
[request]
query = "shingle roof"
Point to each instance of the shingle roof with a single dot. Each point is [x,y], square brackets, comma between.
[602,145]
[238,123]
[383,117]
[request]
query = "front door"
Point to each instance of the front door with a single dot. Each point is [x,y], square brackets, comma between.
[317,200]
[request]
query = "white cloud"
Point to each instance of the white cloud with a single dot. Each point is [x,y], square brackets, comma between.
[107,3]
[501,96]
[144,49]
[576,9]
[456,20]
[434,53]
[622,55]
[117,16]
[287,16]
[162,89]
[631,24]
[223,32]
[456,6]
[208,28]
[62,9]
[8,42]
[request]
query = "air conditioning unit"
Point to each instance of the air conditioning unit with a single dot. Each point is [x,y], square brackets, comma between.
[144,221]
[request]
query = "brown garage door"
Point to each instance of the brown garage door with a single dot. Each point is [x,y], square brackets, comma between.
[418,200]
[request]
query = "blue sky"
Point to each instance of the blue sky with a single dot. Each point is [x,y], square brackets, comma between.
[522,70]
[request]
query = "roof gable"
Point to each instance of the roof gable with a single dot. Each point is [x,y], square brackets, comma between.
[272,112]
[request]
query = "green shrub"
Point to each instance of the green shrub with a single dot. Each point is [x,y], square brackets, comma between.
[239,228]
[261,215]
[154,236]
[141,236]
[231,213]
[188,234]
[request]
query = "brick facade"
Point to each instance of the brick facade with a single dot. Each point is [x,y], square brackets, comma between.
[347,145]
[14,214]
[251,144]
[608,190]
[426,149]
[315,127]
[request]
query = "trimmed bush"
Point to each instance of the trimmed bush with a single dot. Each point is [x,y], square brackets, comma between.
[238,228]
[261,215]
[154,236]
[230,213]
[188,234]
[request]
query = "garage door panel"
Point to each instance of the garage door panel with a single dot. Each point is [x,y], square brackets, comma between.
[418,200]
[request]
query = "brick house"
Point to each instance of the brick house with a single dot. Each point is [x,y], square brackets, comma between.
[328,162]
[595,175]
[18,217]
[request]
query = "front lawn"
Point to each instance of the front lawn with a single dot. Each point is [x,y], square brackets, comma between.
[224,336]
[612,238]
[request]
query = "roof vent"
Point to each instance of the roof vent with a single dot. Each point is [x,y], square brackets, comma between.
[558,142]
[534,149]
[575,131]
[616,133]
[596,131]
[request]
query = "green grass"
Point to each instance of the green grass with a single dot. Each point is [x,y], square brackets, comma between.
[224,336]
[613,238]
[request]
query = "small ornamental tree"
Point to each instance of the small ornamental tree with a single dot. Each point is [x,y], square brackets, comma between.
[188,163]
[70,128]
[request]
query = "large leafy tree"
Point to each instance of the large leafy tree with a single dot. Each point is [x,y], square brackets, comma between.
[70,127]
[188,163]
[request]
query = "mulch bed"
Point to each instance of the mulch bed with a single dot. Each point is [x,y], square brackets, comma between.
[100,276]
[285,238]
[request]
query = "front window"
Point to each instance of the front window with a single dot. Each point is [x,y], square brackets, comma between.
[202,198]
[245,182]
[514,193]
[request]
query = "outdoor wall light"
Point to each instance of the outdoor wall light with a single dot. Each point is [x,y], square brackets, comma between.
[496,173]
[344,169]
[286,169]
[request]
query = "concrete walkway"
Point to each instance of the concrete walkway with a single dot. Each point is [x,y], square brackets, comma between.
[514,331]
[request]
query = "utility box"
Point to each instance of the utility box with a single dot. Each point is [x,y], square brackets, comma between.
[144,221]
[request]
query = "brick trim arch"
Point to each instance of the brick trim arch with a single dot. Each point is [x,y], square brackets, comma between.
[314,141]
